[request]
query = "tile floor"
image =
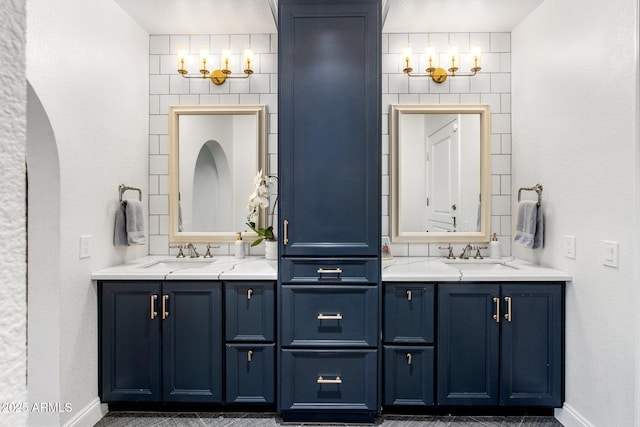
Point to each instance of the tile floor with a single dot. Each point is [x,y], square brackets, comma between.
[229,419]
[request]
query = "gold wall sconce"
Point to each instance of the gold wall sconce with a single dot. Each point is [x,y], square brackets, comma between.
[439,74]
[217,77]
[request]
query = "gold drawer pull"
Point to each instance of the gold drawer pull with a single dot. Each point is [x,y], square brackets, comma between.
[285,227]
[409,358]
[337,380]
[329,316]
[325,271]
[496,316]
[165,313]
[249,354]
[154,313]
[408,295]
[508,314]
[249,293]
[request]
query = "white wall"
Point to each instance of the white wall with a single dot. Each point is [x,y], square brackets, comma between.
[574,116]
[492,86]
[13,246]
[87,62]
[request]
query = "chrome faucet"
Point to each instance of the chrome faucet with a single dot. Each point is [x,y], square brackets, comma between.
[465,251]
[193,253]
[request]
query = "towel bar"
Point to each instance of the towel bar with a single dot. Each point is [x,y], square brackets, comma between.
[124,188]
[537,188]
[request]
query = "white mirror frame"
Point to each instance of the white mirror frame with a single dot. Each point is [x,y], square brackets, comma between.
[259,111]
[485,175]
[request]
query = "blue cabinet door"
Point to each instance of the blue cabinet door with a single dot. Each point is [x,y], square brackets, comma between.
[130,344]
[468,344]
[532,343]
[192,341]
[409,313]
[249,311]
[250,373]
[408,375]
[329,112]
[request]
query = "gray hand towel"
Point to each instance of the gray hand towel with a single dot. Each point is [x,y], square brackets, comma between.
[120,226]
[135,222]
[529,226]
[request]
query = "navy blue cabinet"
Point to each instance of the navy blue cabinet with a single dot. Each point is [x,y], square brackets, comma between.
[329,167]
[250,346]
[160,341]
[329,133]
[500,344]
[408,335]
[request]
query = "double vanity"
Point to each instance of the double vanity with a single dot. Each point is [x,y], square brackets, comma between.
[443,333]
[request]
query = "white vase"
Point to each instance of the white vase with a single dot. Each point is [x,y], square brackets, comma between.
[271,249]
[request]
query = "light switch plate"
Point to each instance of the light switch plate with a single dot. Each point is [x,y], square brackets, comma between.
[85,246]
[570,247]
[610,253]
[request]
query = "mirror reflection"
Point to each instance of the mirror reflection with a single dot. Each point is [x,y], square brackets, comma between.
[440,173]
[216,152]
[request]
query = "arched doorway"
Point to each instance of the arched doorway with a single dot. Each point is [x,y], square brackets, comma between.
[43,262]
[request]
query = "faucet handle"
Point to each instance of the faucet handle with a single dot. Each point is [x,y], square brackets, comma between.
[450,255]
[180,253]
[208,253]
[478,254]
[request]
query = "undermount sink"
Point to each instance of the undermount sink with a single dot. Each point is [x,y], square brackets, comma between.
[485,265]
[177,263]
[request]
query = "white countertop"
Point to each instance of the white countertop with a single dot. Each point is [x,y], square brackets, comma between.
[399,269]
[415,269]
[172,268]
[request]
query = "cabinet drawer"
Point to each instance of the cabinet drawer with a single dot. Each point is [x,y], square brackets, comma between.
[329,316]
[409,313]
[334,270]
[250,311]
[336,380]
[250,373]
[408,375]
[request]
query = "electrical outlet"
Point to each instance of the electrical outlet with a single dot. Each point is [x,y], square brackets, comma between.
[85,246]
[610,254]
[570,247]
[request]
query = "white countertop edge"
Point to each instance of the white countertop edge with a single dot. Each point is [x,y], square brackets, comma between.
[399,269]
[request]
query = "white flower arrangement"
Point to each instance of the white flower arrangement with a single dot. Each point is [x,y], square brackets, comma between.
[259,200]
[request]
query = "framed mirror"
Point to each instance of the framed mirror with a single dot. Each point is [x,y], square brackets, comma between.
[215,154]
[440,173]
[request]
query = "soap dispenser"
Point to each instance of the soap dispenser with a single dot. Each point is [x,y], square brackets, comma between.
[239,253]
[494,248]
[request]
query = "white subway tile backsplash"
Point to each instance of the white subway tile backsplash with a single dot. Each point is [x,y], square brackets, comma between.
[159,45]
[158,124]
[501,123]
[154,64]
[198,42]
[500,205]
[179,41]
[460,41]
[158,84]
[158,164]
[398,83]
[491,86]
[500,42]
[501,164]
[159,204]
[501,82]
[167,101]
[177,84]
[481,83]
[397,42]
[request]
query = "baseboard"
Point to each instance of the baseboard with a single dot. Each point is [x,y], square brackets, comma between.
[569,417]
[89,415]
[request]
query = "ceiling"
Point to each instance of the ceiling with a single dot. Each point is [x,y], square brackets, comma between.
[257,16]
